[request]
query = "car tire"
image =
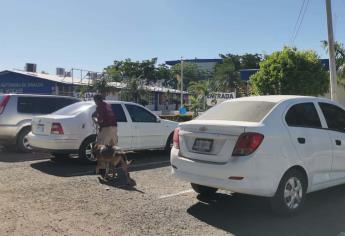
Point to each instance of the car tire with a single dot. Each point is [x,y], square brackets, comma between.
[290,196]
[203,190]
[59,156]
[169,144]
[85,154]
[22,140]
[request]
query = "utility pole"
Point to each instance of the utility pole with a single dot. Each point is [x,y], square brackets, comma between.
[181,81]
[332,68]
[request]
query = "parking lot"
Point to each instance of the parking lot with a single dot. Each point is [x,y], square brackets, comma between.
[64,197]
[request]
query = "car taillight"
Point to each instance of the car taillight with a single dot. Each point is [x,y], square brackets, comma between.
[176,138]
[247,143]
[3,103]
[56,129]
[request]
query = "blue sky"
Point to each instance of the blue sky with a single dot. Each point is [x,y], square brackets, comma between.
[91,34]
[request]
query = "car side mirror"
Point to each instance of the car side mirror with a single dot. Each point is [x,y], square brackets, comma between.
[158,120]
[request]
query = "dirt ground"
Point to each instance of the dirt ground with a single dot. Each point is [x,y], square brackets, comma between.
[61,198]
[64,197]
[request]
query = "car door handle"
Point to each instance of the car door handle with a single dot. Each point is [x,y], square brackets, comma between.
[301,140]
[338,142]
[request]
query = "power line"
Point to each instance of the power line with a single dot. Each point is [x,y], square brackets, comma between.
[299,15]
[301,20]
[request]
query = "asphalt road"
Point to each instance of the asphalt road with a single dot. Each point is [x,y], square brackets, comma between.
[43,197]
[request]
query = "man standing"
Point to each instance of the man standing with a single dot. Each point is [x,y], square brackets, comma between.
[107,134]
[107,122]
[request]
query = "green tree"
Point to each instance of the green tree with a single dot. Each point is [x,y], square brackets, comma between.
[191,72]
[134,92]
[122,70]
[339,60]
[226,77]
[339,52]
[227,73]
[101,85]
[290,72]
[199,90]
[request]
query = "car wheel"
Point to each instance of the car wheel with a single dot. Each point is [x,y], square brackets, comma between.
[85,153]
[203,190]
[22,140]
[169,144]
[290,194]
[59,156]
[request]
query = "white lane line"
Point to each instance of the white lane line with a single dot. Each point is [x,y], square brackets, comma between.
[176,194]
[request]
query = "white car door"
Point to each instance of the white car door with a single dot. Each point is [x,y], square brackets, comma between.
[124,127]
[311,141]
[335,119]
[148,131]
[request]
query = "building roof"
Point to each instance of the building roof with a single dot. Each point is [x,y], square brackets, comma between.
[78,81]
[148,87]
[196,60]
[55,78]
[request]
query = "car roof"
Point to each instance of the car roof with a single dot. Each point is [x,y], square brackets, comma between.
[278,98]
[35,95]
[115,102]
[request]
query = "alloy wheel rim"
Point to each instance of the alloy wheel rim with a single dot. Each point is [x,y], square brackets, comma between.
[293,193]
[88,153]
[26,143]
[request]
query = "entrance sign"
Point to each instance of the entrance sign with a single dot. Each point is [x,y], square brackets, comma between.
[216,98]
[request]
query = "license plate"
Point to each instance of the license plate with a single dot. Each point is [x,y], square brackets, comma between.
[40,128]
[202,145]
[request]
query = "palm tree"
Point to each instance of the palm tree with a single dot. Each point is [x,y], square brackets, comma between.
[339,60]
[199,90]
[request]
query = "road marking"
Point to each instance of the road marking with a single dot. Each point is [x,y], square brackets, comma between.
[176,194]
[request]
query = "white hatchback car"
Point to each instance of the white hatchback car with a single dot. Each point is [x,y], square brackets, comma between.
[72,131]
[280,147]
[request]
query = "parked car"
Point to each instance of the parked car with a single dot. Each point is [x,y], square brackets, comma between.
[280,147]
[71,130]
[17,110]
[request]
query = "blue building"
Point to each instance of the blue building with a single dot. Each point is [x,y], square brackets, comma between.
[15,81]
[209,64]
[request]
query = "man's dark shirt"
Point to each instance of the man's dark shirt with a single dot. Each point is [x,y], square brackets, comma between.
[105,115]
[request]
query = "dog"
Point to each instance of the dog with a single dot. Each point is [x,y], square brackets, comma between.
[111,157]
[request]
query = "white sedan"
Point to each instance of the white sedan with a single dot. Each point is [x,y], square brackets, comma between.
[280,147]
[72,131]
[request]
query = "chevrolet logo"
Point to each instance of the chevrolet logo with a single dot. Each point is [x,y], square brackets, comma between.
[203,129]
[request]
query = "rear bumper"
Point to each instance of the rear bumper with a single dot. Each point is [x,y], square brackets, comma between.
[255,182]
[54,143]
[8,134]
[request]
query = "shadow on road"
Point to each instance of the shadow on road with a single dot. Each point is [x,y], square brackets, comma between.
[323,214]
[12,156]
[119,183]
[68,167]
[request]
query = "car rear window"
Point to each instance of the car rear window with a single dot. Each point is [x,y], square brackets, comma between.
[42,105]
[249,111]
[74,109]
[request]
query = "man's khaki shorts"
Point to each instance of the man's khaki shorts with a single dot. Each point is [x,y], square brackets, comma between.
[107,136]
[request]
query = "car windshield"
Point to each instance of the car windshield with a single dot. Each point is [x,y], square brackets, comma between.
[249,111]
[74,109]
